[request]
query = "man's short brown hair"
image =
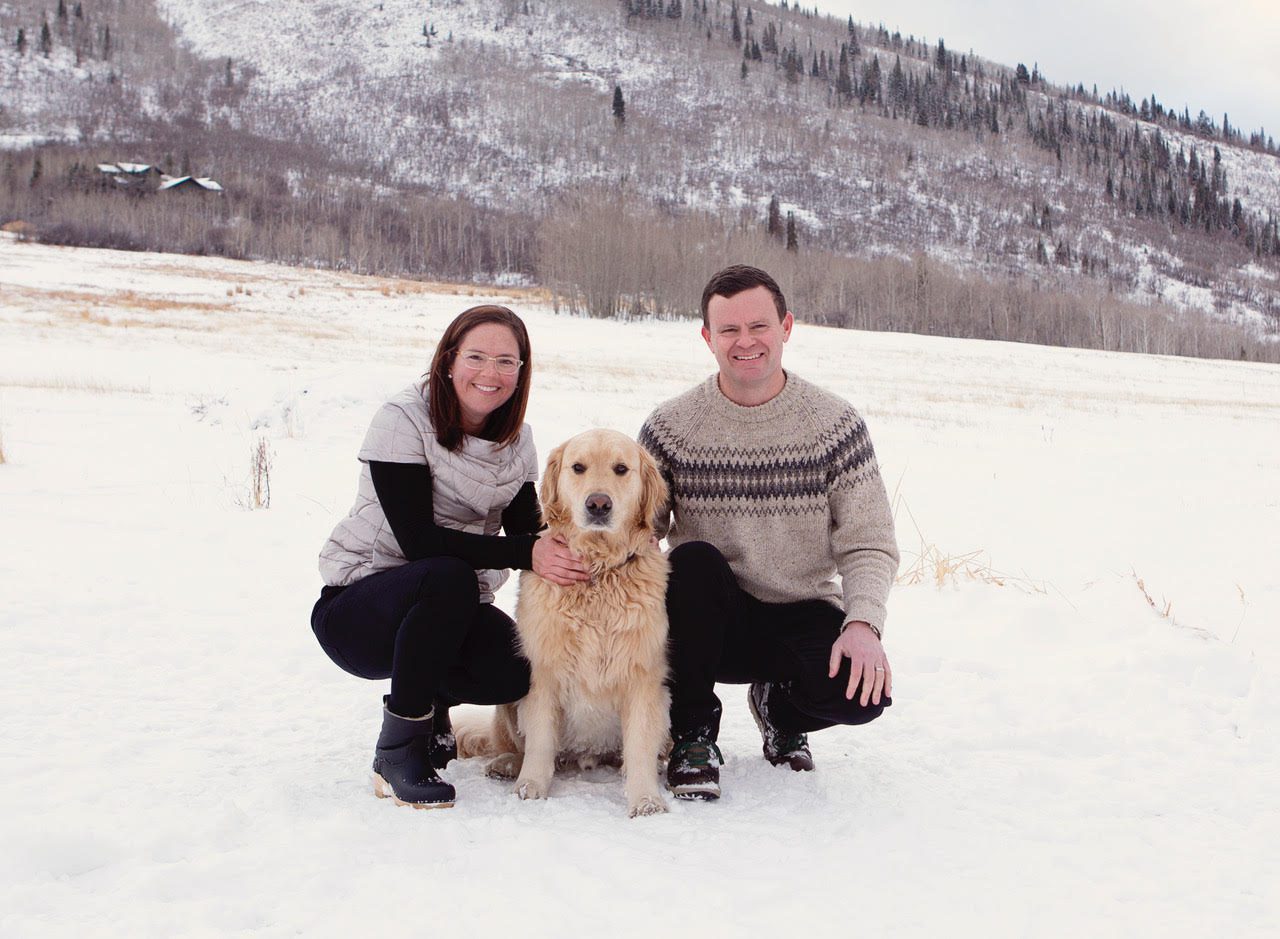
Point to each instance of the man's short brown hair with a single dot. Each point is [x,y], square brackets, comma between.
[736,278]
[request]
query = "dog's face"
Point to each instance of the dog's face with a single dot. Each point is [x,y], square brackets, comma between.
[602,481]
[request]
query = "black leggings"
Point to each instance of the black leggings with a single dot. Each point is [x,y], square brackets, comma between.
[719,632]
[423,625]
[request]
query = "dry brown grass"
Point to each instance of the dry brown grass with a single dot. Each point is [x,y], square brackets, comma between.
[929,564]
[1164,608]
[118,298]
[55,383]
[260,458]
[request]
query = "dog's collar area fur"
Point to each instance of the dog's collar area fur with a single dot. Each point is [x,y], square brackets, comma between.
[599,553]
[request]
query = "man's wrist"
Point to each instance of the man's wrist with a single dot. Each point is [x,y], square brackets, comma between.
[860,622]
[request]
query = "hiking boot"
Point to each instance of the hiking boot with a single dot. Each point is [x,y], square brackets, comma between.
[444,745]
[402,767]
[780,747]
[693,770]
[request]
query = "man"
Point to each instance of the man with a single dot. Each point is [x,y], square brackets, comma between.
[774,491]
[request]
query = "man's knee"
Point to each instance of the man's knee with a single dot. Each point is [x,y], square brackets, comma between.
[699,594]
[696,560]
[824,699]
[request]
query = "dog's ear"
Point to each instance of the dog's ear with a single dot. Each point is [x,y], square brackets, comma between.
[552,507]
[653,489]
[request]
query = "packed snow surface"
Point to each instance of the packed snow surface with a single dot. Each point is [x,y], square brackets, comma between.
[1083,739]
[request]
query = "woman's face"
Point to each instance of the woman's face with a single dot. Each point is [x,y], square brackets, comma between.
[477,373]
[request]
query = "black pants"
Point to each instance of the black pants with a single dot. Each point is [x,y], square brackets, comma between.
[721,633]
[423,625]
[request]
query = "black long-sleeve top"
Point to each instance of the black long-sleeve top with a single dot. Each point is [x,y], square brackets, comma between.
[404,492]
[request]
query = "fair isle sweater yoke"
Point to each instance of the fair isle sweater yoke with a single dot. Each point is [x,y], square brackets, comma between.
[788,491]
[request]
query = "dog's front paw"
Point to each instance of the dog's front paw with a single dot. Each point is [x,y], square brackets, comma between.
[649,805]
[531,788]
[504,766]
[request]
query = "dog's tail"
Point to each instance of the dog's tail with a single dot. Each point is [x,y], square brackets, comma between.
[482,735]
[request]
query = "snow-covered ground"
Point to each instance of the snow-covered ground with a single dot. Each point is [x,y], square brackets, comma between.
[179,758]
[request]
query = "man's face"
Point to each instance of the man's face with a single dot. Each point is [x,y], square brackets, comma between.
[746,338]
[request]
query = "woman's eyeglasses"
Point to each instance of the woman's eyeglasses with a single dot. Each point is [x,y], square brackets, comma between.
[505,364]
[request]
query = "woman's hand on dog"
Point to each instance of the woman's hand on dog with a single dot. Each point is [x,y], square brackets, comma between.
[553,561]
[868,663]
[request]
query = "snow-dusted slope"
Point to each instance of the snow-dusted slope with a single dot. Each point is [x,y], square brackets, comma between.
[179,758]
[509,104]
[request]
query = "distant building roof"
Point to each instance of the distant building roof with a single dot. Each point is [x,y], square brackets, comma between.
[133,169]
[186,182]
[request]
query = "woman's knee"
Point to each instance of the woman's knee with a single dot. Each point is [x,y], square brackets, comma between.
[447,580]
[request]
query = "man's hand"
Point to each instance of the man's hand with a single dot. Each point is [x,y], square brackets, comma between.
[867,662]
[553,560]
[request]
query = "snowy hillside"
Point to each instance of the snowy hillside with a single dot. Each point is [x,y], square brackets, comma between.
[507,106]
[1083,735]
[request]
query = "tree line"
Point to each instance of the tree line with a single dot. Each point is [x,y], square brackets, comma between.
[599,251]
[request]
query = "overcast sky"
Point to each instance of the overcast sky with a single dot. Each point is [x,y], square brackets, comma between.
[1219,56]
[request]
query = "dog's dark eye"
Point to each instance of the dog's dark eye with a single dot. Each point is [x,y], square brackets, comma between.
[620,469]
[579,468]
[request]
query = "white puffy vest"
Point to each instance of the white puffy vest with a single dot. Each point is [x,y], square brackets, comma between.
[470,488]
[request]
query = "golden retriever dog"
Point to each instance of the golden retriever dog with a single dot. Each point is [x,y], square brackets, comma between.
[597,650]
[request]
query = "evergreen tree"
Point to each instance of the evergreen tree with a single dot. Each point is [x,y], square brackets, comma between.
[62,10]
[793,241]
[773,221]
[844,83]
[793,65]
[674,9]
[1020,73]
[619,106]
[770,43]
[79,11]
[897,83]
[736,27]
[37,170]
[940,59]
[46,39]
[870,88]
[22,41]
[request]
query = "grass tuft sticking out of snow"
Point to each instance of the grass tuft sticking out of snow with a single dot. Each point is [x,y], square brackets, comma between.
[1164,609]
[929,563]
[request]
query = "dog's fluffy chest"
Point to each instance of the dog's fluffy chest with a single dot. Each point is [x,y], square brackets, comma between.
[592,642]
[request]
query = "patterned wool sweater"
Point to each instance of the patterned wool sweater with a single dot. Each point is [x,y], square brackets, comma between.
[789,492]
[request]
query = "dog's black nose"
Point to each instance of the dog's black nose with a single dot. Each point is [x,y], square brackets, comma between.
[599,505]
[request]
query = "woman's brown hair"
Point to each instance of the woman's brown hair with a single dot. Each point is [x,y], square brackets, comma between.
[503,425]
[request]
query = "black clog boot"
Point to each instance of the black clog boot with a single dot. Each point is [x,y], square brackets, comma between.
[402,767]
[444,745]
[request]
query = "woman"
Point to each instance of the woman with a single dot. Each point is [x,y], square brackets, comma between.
[410,573]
